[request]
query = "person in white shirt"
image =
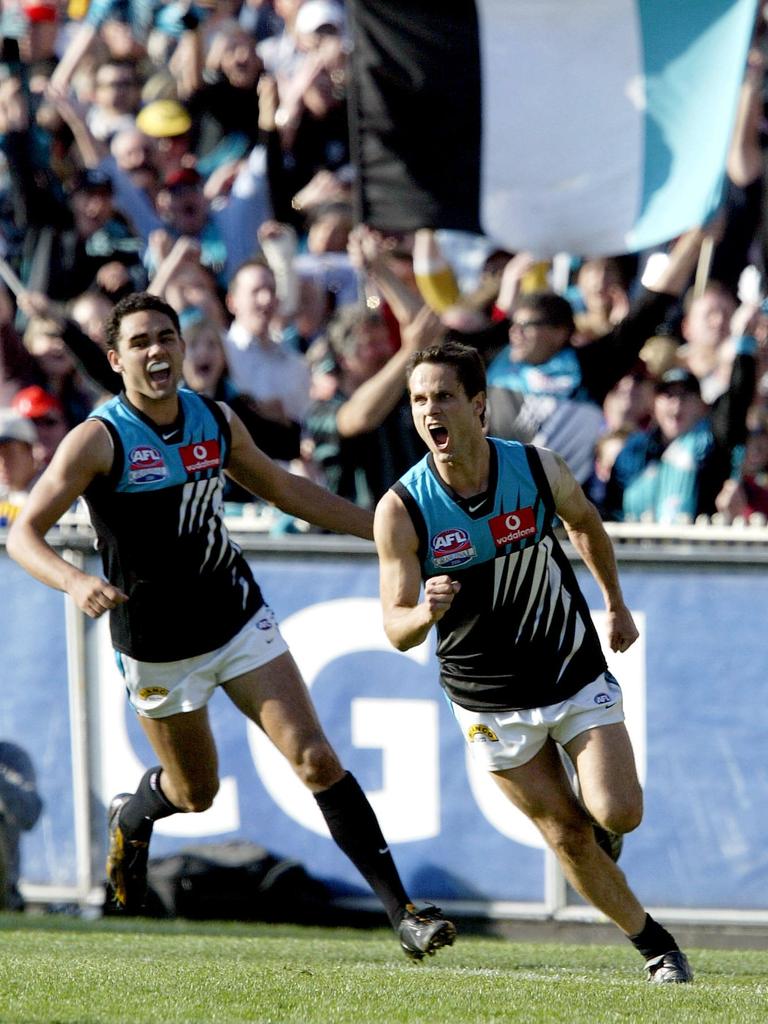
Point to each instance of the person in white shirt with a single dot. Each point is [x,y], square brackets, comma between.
[274,375]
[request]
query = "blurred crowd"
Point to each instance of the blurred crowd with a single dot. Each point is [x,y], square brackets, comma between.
[201,151]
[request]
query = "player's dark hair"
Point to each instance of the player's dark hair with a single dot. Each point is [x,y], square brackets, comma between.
[465,360]
[136,302]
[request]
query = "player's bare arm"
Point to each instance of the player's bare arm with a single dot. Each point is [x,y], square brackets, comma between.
[407,621]
[588,535]
[84,454]
[296,495]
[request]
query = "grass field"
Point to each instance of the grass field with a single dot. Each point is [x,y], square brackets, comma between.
[58,969]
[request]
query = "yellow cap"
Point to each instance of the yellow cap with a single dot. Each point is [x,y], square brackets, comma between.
[162,119]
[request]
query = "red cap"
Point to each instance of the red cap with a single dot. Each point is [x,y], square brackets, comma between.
[34,401]
[184,177]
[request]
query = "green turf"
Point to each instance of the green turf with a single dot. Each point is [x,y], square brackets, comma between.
[58,969]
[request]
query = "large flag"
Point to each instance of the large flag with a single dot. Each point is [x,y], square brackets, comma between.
[588,126]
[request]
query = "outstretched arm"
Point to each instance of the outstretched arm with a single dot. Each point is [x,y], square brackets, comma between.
[588,535]
[407,620]
[84,454]
[370,404]
[296,495]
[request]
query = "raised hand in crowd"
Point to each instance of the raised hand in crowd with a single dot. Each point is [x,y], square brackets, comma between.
[512,279]
[14,108]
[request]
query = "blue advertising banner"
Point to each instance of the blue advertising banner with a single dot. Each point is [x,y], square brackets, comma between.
[694,689]
[34,714]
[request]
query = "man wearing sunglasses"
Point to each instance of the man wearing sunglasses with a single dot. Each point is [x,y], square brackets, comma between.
[545,390]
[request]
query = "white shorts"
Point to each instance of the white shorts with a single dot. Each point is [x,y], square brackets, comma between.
[507,739]
[157,689]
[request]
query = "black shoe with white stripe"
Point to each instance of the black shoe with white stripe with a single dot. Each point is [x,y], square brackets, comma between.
[672,967]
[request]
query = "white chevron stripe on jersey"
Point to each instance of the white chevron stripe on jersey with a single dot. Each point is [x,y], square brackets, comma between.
[523,558]
[555,585]
[500,567]
[543,591]
[536,585]
[201,506]
[578,639]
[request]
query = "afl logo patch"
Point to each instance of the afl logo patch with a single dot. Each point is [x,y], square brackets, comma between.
[603,698]
[146,465]
[451,547]
[200,456]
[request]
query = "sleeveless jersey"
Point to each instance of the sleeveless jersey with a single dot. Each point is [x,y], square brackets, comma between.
[161,535]
[518,633]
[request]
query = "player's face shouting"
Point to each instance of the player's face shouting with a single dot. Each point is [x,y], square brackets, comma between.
[149,355]
[446,419]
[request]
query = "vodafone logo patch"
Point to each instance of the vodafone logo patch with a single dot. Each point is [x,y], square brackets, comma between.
[200,456]
[513,526]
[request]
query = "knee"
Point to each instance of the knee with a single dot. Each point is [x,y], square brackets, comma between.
[318,767]
[620,815]
[197,796]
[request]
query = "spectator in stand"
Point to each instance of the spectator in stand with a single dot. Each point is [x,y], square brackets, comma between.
[167,124]
[305,122]
[674,471]
[601,287]
[132,149]
[544,391]
[46,413]
[363,435]
[225,225]
[17,463]
[260,365]
[116,100]
[66,240]
[18,369]
[747,495]
[224,102]
[72,345]
[43,338]
[280,53]
[89,311]
[205,371]
[629,403]
[705,327]
[607,448]
[121,25]
[136,154]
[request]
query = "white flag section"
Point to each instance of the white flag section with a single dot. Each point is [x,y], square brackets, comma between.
[596,127]
[605,124]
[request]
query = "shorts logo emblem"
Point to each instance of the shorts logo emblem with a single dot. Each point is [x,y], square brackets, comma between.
[603,698]
[154,693]
[481,734]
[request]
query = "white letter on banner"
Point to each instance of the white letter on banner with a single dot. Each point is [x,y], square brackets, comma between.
[408,805]
[118,767]
[629,669]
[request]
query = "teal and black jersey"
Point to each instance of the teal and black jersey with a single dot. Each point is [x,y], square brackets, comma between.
[518,633]
[162,538]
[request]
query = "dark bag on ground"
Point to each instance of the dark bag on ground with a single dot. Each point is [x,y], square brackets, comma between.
[235,881]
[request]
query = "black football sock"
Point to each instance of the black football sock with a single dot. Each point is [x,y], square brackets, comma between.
[653,940]
[147,805]
[356,831]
